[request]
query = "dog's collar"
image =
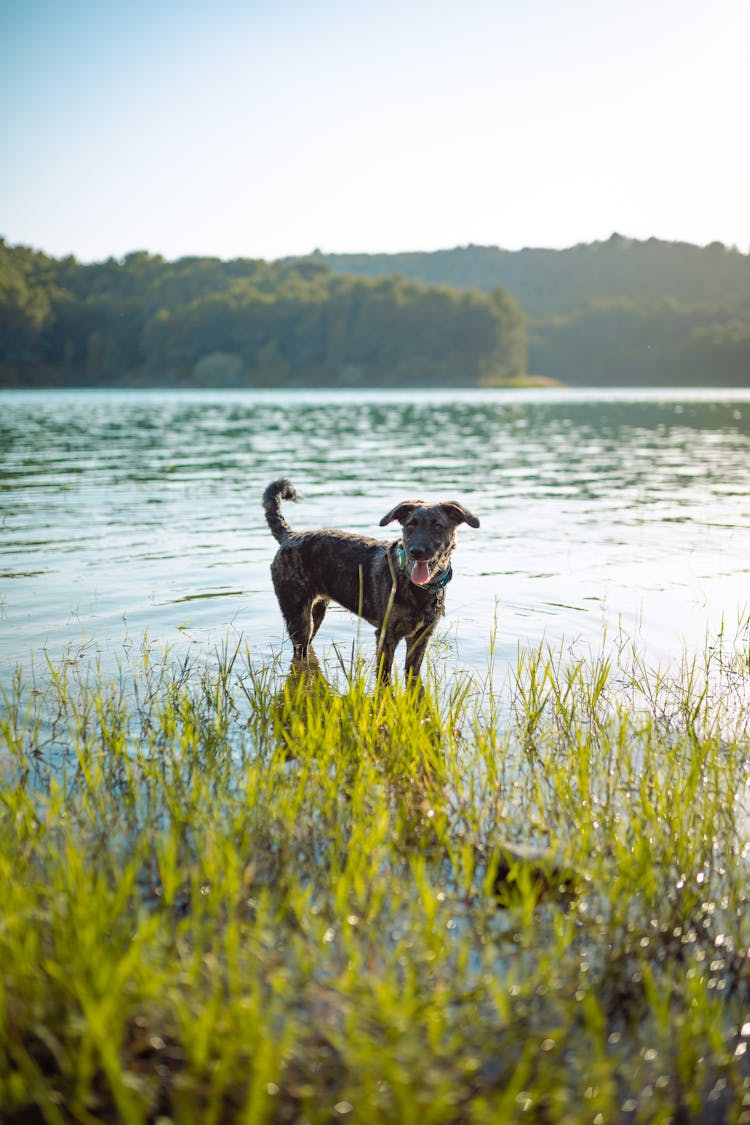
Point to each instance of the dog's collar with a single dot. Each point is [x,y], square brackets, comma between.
[437,583]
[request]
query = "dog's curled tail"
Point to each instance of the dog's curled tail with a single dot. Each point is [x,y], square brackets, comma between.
[277,491]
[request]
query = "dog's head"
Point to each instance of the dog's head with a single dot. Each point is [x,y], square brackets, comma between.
[429,533]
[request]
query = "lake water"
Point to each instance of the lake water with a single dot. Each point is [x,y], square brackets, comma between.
[124,514]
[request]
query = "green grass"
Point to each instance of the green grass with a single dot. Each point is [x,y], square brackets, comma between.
[226,897]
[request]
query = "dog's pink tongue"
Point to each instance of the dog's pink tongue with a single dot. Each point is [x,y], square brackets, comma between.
[420,572]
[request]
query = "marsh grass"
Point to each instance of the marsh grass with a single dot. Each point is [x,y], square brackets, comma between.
[231,896]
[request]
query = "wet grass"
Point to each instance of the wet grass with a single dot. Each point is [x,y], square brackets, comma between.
[229,897]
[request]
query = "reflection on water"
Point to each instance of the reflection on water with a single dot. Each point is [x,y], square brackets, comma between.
[130,512]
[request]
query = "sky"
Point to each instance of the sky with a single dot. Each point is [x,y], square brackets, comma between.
[269,128]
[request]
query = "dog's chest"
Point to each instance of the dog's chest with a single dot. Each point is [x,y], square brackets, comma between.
[415,607]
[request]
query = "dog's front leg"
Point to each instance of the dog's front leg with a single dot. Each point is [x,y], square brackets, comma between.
[386,650]
[416,647]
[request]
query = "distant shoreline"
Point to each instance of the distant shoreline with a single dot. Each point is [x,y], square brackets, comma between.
[47,381]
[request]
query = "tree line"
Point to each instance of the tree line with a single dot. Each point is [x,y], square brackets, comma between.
[205,322]
[607,313]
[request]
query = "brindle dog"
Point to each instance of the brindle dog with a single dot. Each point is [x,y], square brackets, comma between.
[398,587]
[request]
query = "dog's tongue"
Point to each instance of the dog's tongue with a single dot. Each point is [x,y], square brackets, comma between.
[420,572]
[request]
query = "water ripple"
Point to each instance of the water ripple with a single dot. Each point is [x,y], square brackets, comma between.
[118,509]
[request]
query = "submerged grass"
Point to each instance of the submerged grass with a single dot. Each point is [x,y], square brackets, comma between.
[229,897]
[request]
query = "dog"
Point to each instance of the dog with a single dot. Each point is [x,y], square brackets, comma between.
[399,587]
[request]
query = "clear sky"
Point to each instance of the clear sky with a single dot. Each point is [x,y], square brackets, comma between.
[266,128]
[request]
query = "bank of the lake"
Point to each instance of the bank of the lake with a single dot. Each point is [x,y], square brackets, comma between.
[227,898]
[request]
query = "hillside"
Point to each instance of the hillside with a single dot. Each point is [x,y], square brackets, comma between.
[614,312]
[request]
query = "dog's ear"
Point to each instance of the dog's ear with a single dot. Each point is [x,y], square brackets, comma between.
[457,513]
[401,512]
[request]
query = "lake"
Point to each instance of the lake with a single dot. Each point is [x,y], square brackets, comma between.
[131,514]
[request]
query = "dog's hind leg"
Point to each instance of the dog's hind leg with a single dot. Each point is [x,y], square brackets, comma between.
[299,623]
[295,603]
[318,613]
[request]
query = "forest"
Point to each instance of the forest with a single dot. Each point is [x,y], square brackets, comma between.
[203,322]
[617,312]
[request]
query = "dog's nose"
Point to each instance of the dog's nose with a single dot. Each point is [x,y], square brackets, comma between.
[417,552]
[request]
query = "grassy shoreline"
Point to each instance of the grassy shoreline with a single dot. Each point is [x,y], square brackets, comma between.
[227,897]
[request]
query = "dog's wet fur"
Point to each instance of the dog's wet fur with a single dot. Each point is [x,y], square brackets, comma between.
[367,576]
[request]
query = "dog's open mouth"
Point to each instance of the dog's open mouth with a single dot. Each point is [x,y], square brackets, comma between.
[420,572]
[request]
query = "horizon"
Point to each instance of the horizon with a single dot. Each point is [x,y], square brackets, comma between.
[323,254]
[266,131]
